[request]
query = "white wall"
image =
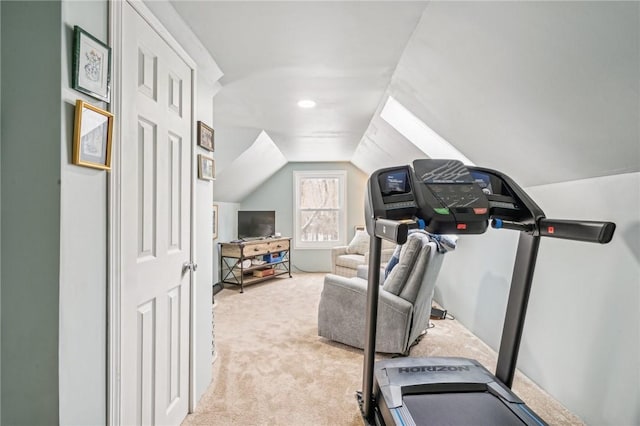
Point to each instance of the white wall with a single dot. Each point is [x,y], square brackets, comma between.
[582,336]
[227,231]
[277,194]
[202,256]
[517,84]
[83,246]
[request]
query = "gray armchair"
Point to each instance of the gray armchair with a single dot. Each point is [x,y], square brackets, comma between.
[404,304]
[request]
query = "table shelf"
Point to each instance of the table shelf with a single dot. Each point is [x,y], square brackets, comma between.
[234,254]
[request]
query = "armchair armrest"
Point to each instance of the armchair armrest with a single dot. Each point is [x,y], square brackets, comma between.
[335,252]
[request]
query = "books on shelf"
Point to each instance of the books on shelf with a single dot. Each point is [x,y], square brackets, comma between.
[263,272]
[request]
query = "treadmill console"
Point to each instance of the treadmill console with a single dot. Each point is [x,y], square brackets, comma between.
[442,193]
[391,194]
[450,200]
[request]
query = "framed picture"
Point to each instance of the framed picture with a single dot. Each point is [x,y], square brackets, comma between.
[205,136]
[206,168]
[91,65]
[92,136]
[215,221]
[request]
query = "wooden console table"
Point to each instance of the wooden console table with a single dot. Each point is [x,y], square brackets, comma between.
[248,262]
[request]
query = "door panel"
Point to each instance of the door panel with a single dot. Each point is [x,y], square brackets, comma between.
[145,414]
[156,169]
[175,192]
[147,213]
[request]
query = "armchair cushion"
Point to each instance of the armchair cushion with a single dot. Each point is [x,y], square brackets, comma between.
[359,244]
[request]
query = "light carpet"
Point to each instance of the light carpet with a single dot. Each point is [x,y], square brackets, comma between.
[273,369]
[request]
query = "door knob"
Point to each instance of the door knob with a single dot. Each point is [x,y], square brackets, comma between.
[188,266]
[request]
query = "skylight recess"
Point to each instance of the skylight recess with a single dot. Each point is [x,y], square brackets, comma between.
[249,170]
[418,133]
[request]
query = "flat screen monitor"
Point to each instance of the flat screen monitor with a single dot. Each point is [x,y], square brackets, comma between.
[395,183]
[256,224]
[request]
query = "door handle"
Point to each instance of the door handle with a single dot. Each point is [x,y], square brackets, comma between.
[188,266]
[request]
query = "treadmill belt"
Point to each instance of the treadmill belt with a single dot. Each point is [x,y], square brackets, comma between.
[459,409]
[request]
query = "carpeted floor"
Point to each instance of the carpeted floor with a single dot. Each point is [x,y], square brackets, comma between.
[273,369]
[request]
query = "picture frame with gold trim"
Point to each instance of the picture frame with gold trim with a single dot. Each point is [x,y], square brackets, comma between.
[93,132]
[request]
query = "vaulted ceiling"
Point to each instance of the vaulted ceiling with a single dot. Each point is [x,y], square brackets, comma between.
[544,91]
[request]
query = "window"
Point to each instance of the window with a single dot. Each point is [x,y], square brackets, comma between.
[320,210]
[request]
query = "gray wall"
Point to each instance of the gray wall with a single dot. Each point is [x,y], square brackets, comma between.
[277,194]
[0,210]
[30,225]
[582,335]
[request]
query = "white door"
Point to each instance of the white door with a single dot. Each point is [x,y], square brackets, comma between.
[156,240]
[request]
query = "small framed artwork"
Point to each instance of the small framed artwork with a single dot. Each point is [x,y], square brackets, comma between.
[215,221]
[91,65]
[205,136]
[92,135]
[206,168]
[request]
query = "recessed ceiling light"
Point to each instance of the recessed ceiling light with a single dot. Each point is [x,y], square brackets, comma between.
[306,103]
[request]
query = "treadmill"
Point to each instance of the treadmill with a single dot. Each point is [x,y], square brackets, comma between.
[447,197]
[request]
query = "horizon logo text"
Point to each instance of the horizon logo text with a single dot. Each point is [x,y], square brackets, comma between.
[433,368]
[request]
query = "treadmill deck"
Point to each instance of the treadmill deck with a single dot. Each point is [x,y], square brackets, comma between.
[446,391]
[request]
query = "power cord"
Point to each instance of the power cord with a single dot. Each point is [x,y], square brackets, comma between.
[440,314]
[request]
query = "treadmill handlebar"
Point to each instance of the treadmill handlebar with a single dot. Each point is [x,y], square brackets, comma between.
[508,224]
[395,231]
[579,230]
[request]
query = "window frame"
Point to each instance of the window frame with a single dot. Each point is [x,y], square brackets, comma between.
[341,175]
